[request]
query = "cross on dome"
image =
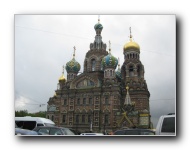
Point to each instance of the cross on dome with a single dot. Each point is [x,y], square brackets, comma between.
[74,52]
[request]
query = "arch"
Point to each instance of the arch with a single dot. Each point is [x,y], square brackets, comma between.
[64,111]
[90,111]
[77,110]
[106,110]
[84,110]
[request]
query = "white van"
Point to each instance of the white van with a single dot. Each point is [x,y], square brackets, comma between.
[166,125]
[31,122]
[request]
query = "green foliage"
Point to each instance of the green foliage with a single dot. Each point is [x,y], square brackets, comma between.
[23,113]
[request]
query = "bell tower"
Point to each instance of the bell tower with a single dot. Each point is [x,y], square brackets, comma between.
[132,72]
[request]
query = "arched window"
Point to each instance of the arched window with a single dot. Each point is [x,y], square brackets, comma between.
[93,64]
[77,119]
[131,71]
[64,118]
[110,73]
[138,71]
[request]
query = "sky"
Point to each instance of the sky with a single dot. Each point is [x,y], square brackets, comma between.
[44,43]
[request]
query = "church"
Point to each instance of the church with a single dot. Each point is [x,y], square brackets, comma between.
[105,96]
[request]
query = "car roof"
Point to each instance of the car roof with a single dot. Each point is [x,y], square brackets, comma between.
[52,127]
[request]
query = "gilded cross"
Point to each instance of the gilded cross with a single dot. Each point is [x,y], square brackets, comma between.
[130,32]
[74,52]
[109,46]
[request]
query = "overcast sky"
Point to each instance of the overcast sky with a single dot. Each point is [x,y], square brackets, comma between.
[44,43]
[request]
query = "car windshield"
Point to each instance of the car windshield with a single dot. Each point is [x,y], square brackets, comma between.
[68,132]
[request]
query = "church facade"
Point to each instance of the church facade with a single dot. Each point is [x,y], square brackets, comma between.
[102,97]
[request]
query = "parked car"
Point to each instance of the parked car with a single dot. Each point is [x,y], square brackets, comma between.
[44,130]
[135,131]
[166,125]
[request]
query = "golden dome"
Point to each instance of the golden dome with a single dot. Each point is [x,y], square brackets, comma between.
[62,78]
[131,45]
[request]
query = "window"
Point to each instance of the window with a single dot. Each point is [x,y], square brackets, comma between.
[77,119]
[106,101]
[131,73]
[89,118]
[64,118]
[70,118]
[55,132]
[52,118]
[138,71]
[110,73]
[83,118]
[65,102]
[168,125]
[93,63]
[30,125]
[90,101]
[106,119]
[78,101]
[84,101]
[44,131]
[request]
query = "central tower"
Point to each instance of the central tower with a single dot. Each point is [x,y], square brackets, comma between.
[92,62]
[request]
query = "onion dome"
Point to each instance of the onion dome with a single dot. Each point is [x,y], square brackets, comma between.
[73,65]
[109,61]
[118,72]
[62,78]
[131,45]
[98,25]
